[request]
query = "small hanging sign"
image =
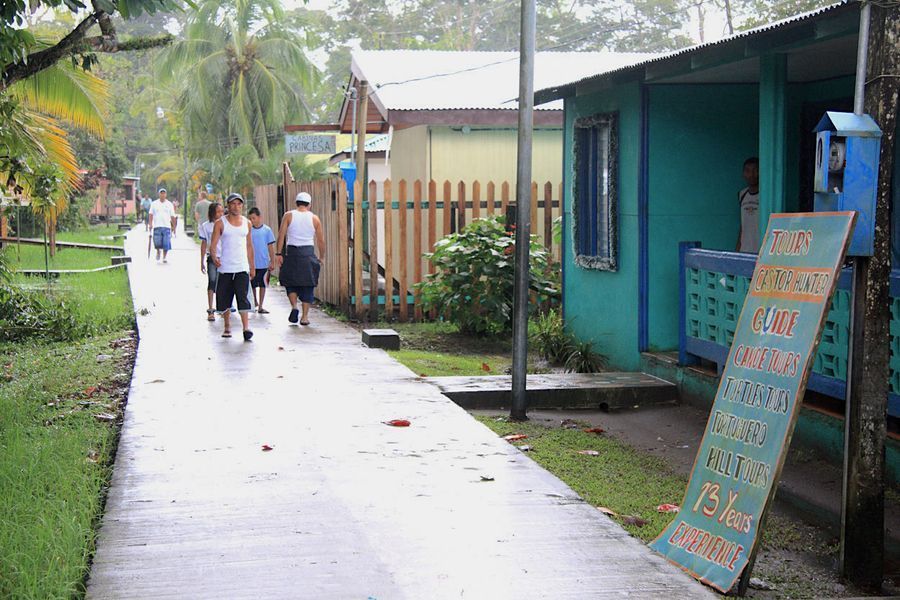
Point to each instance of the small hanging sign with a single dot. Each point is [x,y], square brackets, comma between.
[308,144]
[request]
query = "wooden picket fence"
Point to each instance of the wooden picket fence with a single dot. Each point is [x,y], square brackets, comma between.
[376,243]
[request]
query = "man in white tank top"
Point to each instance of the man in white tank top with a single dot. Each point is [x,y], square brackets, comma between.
[300,234]
[231,250]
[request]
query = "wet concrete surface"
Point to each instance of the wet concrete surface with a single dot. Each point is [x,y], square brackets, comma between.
[342,506]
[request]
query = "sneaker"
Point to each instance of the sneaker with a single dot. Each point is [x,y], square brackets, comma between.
[294,316]
[248,335]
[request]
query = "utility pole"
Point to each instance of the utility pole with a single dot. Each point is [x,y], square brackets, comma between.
[862,531]
[523,212]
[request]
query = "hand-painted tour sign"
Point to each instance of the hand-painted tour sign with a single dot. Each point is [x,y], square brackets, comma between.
[758,400]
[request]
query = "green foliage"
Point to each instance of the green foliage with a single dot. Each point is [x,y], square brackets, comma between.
[583,359]
[473,280]
[549,336]
[76,216]
[30,315]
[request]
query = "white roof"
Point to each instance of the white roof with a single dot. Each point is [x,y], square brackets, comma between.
[439,80]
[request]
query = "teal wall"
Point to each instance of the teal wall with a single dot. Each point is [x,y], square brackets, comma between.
[700,136]
[601,306]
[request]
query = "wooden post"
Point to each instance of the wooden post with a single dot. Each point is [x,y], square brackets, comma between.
[490,198]
[357,247]
[373,252]
[404,251]
[862,537]
[448,208]
[417,247]
[388,250]
[461,203]
[362,122]
[504,198]
[534,206]
[548,216]
[432,219]
[476,200]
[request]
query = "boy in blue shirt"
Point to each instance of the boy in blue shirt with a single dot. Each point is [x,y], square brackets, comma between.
[263,257]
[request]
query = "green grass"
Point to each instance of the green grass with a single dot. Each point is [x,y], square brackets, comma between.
[54,462]
[436,349]
[32,257]
[622,479]
[438,364]
[92,235]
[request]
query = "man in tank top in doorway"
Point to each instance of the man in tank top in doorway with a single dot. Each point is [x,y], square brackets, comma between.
[231,250]
[299,235]
[748,200]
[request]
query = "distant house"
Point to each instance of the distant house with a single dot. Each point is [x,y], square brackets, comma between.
[115,201]
[652,167]
[453,115]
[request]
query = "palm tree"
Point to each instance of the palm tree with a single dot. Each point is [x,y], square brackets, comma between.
[242,76]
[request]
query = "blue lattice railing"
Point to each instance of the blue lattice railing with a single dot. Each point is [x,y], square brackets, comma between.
[713,286]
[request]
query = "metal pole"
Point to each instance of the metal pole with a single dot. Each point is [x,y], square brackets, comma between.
[862,47]
[523,211]
[354,97]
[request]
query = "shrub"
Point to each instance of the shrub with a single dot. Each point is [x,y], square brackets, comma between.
[27,315]
[473,281]
[549,336]
[77,213]
[583,359]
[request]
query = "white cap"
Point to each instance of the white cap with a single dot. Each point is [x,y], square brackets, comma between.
[303,198]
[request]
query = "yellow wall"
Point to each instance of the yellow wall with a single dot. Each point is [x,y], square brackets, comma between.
[410,154]
[490,155]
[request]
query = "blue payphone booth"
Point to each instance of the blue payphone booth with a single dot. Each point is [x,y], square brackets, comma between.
[846,178]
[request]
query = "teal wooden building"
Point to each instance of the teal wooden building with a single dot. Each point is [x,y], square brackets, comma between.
[653,156]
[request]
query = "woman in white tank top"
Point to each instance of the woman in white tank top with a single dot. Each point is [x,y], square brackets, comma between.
[230,249]
[298,237]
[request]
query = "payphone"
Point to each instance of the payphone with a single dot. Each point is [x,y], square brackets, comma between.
[846,177]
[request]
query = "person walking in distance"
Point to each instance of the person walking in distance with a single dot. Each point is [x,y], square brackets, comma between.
[234,261]
[161,223]
[264,259]
[214,212]
[201,208]
[299,235]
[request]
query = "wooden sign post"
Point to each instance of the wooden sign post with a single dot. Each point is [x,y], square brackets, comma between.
[715,535]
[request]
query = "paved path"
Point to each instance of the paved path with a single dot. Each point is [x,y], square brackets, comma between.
[344,507]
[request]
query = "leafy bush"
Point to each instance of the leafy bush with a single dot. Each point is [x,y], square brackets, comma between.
[77,213]
[473,281]
[583,359]
[27,315]
[549,336]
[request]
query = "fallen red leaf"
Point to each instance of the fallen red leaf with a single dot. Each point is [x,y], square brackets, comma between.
[398,423]
[514,436]
[632,520]
[267,448]
[485,367]
[597,430]
[423,374]
[281,347]
[90,391]
[667,508]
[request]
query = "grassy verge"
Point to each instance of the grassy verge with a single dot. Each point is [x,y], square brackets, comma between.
[95,234]
[439,349]
[32,257]
[797,559]
[60,410]
[57,444]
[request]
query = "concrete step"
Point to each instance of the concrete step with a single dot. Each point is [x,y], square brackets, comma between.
[608,391]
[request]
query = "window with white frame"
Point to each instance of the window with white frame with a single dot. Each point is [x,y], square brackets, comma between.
[595,207]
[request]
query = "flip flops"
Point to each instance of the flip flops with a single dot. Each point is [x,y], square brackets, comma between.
[226,334]
[262,311]
[248,335]
[294,316]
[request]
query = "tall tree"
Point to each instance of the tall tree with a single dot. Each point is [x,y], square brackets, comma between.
[242,76]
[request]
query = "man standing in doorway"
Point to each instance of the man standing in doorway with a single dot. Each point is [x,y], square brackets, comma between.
[748,200]
[161,223]
[234,261]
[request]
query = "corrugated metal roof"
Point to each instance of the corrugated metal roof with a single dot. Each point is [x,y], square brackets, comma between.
[553,93]
[439,80]
[374,143]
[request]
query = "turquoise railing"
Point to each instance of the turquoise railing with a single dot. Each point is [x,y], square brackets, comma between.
[713,286]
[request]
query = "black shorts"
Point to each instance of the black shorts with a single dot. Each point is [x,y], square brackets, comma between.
[230,287]
[261,279]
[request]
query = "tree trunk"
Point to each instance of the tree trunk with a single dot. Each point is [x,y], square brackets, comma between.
[865,499]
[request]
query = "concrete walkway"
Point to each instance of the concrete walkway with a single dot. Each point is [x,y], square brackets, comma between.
[344,506]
